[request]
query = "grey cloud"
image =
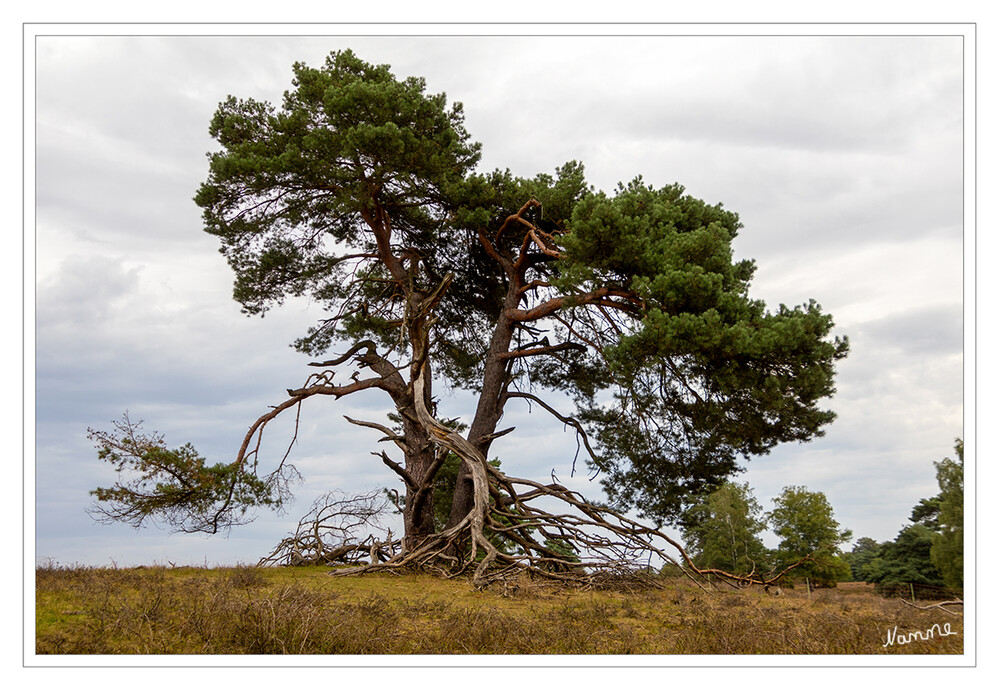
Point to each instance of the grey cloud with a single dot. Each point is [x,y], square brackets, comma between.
[797,135]
[84,290]
[804,94]
[108,338]
[932,330]
[814,94]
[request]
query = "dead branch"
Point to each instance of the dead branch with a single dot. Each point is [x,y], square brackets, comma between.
[389,434]
[939,605]
[569,421]
[364,344]
[542,350]
[329,534]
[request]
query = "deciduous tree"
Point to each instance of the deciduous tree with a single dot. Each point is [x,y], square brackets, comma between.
[947,551]
[806,526]
[723,531]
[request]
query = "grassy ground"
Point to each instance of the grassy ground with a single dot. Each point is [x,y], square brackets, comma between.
[246,610]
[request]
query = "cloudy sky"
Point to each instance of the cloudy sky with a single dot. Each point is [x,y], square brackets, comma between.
[843,156]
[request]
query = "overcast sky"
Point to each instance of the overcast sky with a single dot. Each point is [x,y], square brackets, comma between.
[842,156]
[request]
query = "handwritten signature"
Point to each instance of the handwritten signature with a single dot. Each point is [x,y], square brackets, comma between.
[935,630]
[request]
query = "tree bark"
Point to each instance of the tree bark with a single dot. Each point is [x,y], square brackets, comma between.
[488,413]
[421,465]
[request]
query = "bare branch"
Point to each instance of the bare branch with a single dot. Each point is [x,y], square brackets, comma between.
[580,431]
[497,434]
[389,434]
[407,478]
[543,350]
[491,251]
[940,605]
[534,285]
[329,533]
[517,218]
[364,344]
[598,296]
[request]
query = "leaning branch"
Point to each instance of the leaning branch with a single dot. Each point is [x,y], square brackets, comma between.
[569,421]
[256,430]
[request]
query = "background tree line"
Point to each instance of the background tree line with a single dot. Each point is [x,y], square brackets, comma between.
[724,531]
[929,550]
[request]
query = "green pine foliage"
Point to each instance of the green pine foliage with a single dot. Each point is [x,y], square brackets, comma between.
[865,550]
[176,486]
[907,559]
[292,187]
[705,374]
[688,374]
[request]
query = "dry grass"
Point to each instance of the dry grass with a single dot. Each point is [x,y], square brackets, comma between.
[245,610]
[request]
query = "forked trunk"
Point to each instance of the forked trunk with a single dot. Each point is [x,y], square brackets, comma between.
[488,412]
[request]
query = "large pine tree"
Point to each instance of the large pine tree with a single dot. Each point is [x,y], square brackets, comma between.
[360,191]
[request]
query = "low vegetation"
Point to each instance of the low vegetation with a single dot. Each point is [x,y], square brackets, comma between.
[250,610]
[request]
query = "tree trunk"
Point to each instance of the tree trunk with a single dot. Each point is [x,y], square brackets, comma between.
[421,459]
[418,512]
[487,415]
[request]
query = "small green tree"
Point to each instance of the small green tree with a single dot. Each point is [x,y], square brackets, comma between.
[723,530]
[804,522]
[907,559]
[865,550]
[947,551]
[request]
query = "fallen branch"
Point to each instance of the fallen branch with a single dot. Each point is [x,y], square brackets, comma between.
[939,605]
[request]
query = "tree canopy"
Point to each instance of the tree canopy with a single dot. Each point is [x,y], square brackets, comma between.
[907,559]
[360,191]
[864,551]
[805,523]
[723,531]
[947,551]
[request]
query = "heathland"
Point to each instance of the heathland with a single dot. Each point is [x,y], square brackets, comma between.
[249,610]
